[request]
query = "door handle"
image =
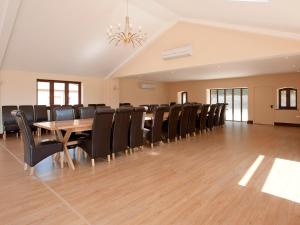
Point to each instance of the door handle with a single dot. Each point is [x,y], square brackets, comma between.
[272,106]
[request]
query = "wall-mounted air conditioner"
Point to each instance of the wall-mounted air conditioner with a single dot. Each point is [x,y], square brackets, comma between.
[177,52]
[147,85]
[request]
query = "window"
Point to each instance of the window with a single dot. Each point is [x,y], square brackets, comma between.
[54,92]
[287,98]
[184,97]
[236,100]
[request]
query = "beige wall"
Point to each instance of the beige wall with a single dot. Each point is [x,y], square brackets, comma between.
[130,91]
[197,91]
[211,45]
[18,87]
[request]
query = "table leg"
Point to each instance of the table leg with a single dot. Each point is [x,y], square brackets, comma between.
[64,140]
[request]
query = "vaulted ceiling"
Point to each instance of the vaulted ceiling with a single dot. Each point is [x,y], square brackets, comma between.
[69,36]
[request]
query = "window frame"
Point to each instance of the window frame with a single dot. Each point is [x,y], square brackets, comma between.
[186,94]
[288,99]
[51,82]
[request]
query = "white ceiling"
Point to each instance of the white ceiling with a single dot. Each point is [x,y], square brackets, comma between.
[69,36]
[280,64]
[279,15]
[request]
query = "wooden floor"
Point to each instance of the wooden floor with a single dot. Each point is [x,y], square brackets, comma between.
[194,181]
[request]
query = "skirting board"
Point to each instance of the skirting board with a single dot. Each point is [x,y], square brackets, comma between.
[287,124]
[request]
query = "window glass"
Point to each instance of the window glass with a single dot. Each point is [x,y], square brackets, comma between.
[221,96]
[293,98]
[283,98]
[43,93]
[73,94]
[213,96]
[245,105]
[229,108]
[237,116]
[59,93]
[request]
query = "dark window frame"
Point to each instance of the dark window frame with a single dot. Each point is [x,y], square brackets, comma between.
[184,93]
[288,99]
[51,82]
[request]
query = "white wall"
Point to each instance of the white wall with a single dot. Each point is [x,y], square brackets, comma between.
[19,88]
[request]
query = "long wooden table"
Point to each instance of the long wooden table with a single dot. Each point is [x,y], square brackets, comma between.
[69,126]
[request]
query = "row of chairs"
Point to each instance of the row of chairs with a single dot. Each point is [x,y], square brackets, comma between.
[183,121]
[113,131]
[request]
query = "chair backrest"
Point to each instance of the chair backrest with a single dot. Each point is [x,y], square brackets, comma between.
[124,104]
[92,105]
[222,114]
[136,127]
[172,103]
[28,141]
[86,112]
[64,113]
[76,110]
[173,121]
[101,133]
[184,120]
[28,112]
[211,115]
[193,118]
[158,122]
[121,129]
[7,117]
[153,107]
[101,104]
[101,108]
[217,115]
[40,113]
[52,108]
[203,116]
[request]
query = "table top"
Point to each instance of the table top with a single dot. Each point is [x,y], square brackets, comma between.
[78,124]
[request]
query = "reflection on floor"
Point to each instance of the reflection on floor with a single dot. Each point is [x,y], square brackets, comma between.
[195,181]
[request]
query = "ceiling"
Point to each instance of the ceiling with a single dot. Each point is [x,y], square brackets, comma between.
[275,65]
[279,15]
[69,36]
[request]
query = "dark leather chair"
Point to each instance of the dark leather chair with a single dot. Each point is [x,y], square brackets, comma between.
[121,130]
[170,126]
[222,114]
[101,104]
[172,103]
[136,131]
[99,143]
[126,104]
[35,152]
[64,113]
[154,133]
[92,105]
[211,116]
[29,114]
[146,107]
[9,122]
[217,115]
[52,108]
[184,121]
[40,113]
[101,108]
[153,107]
[86,112]
[203,117]
[76,110]
[193,119]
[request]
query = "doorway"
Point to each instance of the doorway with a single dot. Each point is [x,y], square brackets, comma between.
[263,105]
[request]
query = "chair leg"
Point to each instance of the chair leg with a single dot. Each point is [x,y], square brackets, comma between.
[131,151]
[25,166]
[108,158]
[61,159]
[93,162]
[4,135]
[126,152]
[113,156]
[152,145]
[85,154]
[17,135]
[31,171]
[78,154]
[168,140]
[176,139]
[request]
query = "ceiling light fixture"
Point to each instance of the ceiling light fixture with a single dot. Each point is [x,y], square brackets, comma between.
[126,35]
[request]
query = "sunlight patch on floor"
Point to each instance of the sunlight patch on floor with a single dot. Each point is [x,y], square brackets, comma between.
[284,180]
[246,178]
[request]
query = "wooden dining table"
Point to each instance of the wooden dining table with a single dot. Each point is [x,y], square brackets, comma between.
[70,126]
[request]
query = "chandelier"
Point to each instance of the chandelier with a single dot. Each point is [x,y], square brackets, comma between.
[127,35]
